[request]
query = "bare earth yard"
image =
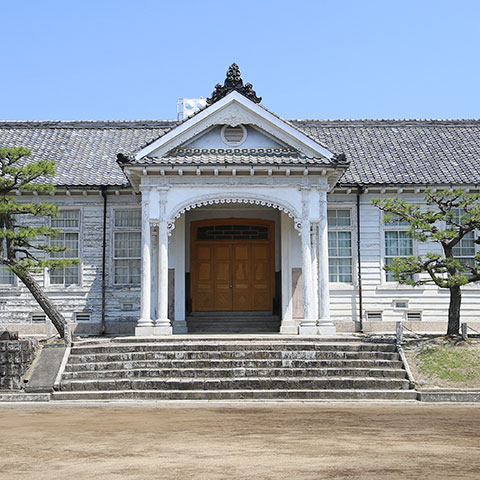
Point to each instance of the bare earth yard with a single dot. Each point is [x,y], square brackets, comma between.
[251,441]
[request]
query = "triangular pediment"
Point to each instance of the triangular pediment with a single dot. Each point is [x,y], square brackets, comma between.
[264,130]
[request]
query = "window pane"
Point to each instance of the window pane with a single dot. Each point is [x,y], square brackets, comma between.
[6,276]
[67,219]
[340,270]
[127,272]
[338,218]
[128,244]
[398,244]
[127,252]
[396,221]
[128,218]
[65,276]
[340,245]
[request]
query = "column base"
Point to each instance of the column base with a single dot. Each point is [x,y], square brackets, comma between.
[144,331]
[326,327]
[308,327]
[180,327]
[162,327]
[289,328]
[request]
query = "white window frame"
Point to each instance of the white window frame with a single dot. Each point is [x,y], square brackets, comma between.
[353,236]
[474,233]
[79,231]
[13,283]
[115,230]
[385,227]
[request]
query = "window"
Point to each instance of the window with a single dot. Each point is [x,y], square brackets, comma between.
[127,247]
[340,246]
[69,222]
[6,276]
[464,251]
[234,136]
[398,243]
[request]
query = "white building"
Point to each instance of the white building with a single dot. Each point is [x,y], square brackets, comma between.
[236,217]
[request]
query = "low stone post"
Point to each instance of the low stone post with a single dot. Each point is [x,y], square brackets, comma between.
[399,331]
[464,333]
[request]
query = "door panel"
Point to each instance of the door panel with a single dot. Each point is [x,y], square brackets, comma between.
[232,275]
[222,264]
[204,291]
[242,277]
[262,282]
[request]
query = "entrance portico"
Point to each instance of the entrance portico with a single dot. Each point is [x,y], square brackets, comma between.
[277,169]
[302,228]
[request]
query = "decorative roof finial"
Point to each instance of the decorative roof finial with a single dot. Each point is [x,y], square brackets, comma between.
[233,82]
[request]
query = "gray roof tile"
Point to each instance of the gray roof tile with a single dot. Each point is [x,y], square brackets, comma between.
[379,151]
[233,156]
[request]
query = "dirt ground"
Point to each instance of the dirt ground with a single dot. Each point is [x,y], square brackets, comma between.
[250,441]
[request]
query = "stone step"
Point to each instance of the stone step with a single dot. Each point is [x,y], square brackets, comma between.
[234,346]
[261,363]
[235,372]
[232,355]
[340,395]
[243,383]
[282,339]
[206,330]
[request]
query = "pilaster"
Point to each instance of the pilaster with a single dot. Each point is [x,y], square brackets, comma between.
[288,325]
[162,322]
[179,323]
[324,324]
[145,323]
[308,325]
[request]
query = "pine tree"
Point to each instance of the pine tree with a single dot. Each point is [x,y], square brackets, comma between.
[448,217]
[25,249]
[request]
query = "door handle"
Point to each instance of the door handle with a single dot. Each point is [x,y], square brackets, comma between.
[231,286]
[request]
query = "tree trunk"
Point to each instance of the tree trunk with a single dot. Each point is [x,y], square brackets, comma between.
[45,303]
[454,311]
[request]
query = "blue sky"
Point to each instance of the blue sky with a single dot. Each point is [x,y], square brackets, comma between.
[125,59]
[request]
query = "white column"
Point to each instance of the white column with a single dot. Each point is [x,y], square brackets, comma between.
[288,326]
[308,325]
[179,324]
[145,323]
[325,325]
[162,322]
[315,271]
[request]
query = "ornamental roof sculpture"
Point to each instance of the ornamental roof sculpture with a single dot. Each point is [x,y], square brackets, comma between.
[233,82]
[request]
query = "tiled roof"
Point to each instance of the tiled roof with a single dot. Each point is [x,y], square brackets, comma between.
[379,151]
[231,156]
[85,152]
[403,151]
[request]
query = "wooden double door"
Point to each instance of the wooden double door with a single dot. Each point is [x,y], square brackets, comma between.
[232,265]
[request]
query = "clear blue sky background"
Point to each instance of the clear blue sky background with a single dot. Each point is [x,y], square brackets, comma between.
[125,59]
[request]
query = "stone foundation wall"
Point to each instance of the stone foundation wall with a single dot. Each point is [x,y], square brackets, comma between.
[15,358]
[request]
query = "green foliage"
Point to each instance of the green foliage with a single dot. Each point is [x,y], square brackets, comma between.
[24,246]
[448,215]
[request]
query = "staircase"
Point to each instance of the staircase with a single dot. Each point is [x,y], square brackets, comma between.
[233,322]
[225,368]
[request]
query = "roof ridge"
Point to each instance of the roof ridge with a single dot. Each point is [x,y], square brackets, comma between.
[293,122]
[87,123]
[387,121]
